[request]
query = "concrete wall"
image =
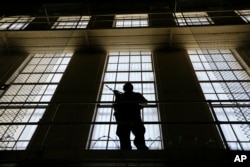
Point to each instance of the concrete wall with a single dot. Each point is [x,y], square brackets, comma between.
[9,63]
[176,83]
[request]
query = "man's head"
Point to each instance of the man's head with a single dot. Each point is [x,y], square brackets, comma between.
[128,87]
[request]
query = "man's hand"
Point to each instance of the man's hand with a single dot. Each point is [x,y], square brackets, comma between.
[116,92]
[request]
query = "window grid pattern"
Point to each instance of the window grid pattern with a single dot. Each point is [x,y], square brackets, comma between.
[244,14]
[221,77]
[131,20]
[31,91]
[193,18]
[71,22]
[135,67]
[15,22]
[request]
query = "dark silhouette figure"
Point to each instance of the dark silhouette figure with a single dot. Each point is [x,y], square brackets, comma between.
[127,113]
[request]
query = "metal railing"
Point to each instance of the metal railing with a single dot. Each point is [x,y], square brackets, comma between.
[241,118]
[161,19]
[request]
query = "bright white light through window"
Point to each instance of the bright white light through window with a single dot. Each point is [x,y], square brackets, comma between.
[71,22]
[222,77]
[137,68]
[244,14]
[15,22]
[193,18]
[131,20]
[31,91]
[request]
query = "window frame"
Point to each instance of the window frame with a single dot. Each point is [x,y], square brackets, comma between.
[226,92]
[147,88]
[192,18]
[15,22]
[131,20]
[28,96]
[71,22]
[244,14]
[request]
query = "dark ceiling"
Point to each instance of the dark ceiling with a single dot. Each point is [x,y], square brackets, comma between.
[104,6]
[230,36]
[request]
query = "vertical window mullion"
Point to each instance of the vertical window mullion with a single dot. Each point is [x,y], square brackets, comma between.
[141,83]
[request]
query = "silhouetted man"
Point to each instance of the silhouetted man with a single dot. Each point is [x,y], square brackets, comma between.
[128,117]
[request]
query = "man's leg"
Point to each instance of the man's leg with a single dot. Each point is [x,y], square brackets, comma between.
[139,141]
[123,132]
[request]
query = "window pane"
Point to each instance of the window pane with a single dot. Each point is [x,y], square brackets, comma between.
[112,67]
[135,67]
[110,77]
[123,67]
[135,76]
[122,76]
[147,76]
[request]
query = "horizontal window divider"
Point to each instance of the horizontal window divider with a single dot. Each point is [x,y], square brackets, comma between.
[116,71]
[224,81]
[108,122]
[108,106]
[220,70]
[35,83]
[42,72]
[107,102]
[122,82]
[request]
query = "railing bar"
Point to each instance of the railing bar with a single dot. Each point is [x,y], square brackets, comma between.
[147,122]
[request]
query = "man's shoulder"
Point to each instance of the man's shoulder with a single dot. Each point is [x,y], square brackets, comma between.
[132,94]
[137,93]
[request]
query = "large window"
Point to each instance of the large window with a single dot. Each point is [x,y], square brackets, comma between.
[71,22]
[27,97]
[137,68]
[131,20]
[193,18]
[224,81]
[15,22]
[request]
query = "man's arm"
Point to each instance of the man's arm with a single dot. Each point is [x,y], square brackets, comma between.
[143,101]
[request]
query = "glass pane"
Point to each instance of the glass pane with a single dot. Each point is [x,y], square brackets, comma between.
[123,67]
[110,76]
[13,89]
[148,88]
[21,78]
[57,78]
[198,66]
[135,67]
[135,59]
[61,68]
[123,59]
[112,67]
[135,76]
[202,76]
[122,76]
[50,89]
[33,78]
[147,67]
[113,59]
[147,76]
